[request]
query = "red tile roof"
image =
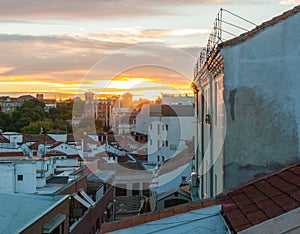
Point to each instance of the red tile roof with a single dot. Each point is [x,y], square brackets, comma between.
[55,153]
[247,205]
[37,138]
[3,139]
[262,199]
[12,154]
[149,217]
[245,36]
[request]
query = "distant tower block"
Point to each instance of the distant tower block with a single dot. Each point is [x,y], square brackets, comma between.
[127,100]
[89,106]
[89,96]
[40,96]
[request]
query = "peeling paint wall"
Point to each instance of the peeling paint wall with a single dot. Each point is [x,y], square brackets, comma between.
[262,99]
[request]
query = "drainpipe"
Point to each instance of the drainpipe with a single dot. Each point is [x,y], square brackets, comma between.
[202,145]
[211,134]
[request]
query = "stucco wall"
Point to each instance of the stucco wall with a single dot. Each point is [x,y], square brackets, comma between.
[262,101]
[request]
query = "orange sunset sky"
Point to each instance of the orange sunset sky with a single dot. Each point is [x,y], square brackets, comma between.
[146,47]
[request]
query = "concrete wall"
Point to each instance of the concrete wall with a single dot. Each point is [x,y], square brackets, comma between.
[262,102]
[7,177]
[28,173]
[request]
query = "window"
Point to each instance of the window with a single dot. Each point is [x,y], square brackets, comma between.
[158,144]
[163,127]
[163,143]
[167,143]
[150,126]
[167,127]
[20,177]
[121,190]
[163,158]
[173,147]
[158,158]
[136,189]
[207,101]
[150,141]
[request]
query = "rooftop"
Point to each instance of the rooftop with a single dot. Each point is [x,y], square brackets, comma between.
[154,216]
[3,139]
[18,211]
[262,199]
[249,204]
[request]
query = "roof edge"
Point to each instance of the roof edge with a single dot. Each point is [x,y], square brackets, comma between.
[275,20]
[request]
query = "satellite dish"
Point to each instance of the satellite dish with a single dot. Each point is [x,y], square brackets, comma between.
[26,150]
[41,150]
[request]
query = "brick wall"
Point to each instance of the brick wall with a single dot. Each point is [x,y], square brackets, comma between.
[93,218]
[74,186]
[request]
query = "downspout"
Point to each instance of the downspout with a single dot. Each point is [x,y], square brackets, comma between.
[211,134]
[202,145]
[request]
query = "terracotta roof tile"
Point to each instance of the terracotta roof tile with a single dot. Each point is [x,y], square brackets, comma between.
[266,188]
[137,220]
[3,139]
[261,199]
[281,184]
[181,209]
[247,205]
[286,202]
[256,217]
[153,216]
[195,206]
[296,195]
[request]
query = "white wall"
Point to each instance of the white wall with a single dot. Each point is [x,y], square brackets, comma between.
[7,177]
[67,149]
[142,120]
[59,137]
[170,141]
[28,184]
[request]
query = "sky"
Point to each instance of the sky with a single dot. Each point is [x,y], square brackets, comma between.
[64,48]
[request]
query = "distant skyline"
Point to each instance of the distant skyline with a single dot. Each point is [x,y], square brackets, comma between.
[51,47]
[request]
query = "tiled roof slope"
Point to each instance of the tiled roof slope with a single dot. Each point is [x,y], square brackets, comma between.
[149,217]
[245,36]
[249,204]
[262,199]
[3,139]
[37,138]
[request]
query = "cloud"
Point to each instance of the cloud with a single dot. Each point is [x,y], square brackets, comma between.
[67,59]
[93,9]
[290,2]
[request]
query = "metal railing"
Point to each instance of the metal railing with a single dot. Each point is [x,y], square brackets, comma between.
[217,36]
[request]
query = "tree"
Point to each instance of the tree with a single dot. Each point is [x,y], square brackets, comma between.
[5,121]
[35,127]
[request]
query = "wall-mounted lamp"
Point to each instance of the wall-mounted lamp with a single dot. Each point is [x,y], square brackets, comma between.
[207,119]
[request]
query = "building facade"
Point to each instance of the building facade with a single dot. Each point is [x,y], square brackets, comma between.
[247,106]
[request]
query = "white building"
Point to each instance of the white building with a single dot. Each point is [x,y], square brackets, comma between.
[18,177]
[169,127]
